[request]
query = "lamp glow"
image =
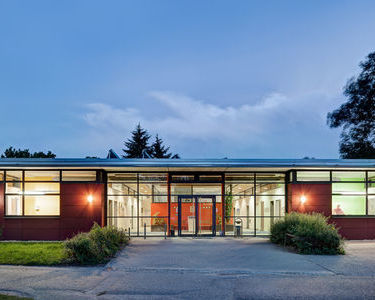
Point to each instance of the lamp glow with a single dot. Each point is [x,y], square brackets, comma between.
[303,199]
[90,198]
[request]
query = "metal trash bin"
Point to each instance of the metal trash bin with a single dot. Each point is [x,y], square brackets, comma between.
[238,227]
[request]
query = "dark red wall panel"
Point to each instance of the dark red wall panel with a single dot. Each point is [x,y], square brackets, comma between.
[355,228]
[318,198]
[76,215]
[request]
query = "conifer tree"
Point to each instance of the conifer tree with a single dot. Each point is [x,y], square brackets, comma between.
[161,151]
[137,146]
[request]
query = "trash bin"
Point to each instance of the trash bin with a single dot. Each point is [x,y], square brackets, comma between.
[238,227]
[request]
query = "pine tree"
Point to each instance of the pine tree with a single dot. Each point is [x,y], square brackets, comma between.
[161,151]
[137,146]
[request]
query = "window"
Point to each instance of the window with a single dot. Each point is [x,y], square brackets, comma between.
[348,205]
[37,195]
[348,176]
[42,176]
[313,176]
[349,188]
[13,175]
[351,193]
[79,175]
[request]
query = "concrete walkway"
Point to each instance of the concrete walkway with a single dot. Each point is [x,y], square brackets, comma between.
[203,268]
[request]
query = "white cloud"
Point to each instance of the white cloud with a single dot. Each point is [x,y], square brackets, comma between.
[276,124]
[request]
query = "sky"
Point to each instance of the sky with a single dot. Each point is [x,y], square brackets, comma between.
[236,79]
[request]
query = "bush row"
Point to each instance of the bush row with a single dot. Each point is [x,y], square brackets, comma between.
[307,234]
[96,246]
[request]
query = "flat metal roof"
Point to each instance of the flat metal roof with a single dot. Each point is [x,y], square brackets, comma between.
[102,163]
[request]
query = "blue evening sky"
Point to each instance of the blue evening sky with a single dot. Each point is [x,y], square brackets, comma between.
[216,79]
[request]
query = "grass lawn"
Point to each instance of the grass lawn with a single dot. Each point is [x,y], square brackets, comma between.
[6,297]
[33,253]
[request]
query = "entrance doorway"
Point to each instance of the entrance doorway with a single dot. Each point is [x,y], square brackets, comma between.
[197,215]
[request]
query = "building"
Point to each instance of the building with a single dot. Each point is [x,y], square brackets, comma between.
[52,199]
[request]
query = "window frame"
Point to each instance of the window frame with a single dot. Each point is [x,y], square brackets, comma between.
[98,179]
[331,181]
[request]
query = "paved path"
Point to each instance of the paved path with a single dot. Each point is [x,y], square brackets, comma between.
[203,268]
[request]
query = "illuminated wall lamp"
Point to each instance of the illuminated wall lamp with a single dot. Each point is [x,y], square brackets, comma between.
[90,198]
[303,199]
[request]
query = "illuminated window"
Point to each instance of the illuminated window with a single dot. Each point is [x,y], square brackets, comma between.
[42,205]
[313,176]
[348,205]
[348,176]
[79,175]
[42,175]
[38,196]
[349,188]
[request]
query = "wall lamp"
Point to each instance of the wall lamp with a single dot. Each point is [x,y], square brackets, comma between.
[90,198]
[303,199]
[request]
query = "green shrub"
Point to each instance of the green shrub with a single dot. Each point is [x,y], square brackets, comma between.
[96,246]
[307,234]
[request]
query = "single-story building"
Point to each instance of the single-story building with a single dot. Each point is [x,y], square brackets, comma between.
[52,199]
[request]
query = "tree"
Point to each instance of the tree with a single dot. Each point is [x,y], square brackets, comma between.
[158,150]
[357,115]
[14,153]
[137,146]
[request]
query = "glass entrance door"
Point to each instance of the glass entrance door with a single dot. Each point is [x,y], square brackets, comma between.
[206,215]
[196,215]
[187,224]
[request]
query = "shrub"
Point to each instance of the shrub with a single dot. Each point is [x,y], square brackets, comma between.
[96,246]
[307,234]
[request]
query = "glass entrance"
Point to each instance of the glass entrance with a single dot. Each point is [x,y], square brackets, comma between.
[206,213]
[196,215]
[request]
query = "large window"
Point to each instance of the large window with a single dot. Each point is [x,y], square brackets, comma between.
[32,193]
[254,199]
[137,201]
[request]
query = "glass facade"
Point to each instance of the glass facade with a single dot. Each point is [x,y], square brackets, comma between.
[254,200]
[195,204]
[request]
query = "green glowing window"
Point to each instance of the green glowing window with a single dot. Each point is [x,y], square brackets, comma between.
[349,188]
[348,176]
[348,205]
[371,205]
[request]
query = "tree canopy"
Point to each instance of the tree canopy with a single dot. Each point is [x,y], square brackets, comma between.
[25,153]
[357,115]
[138,146]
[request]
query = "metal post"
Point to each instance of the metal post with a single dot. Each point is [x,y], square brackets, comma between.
[165,231]
[129,232]
[144,231]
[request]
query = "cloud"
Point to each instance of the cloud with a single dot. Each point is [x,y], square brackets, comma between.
[268,126]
